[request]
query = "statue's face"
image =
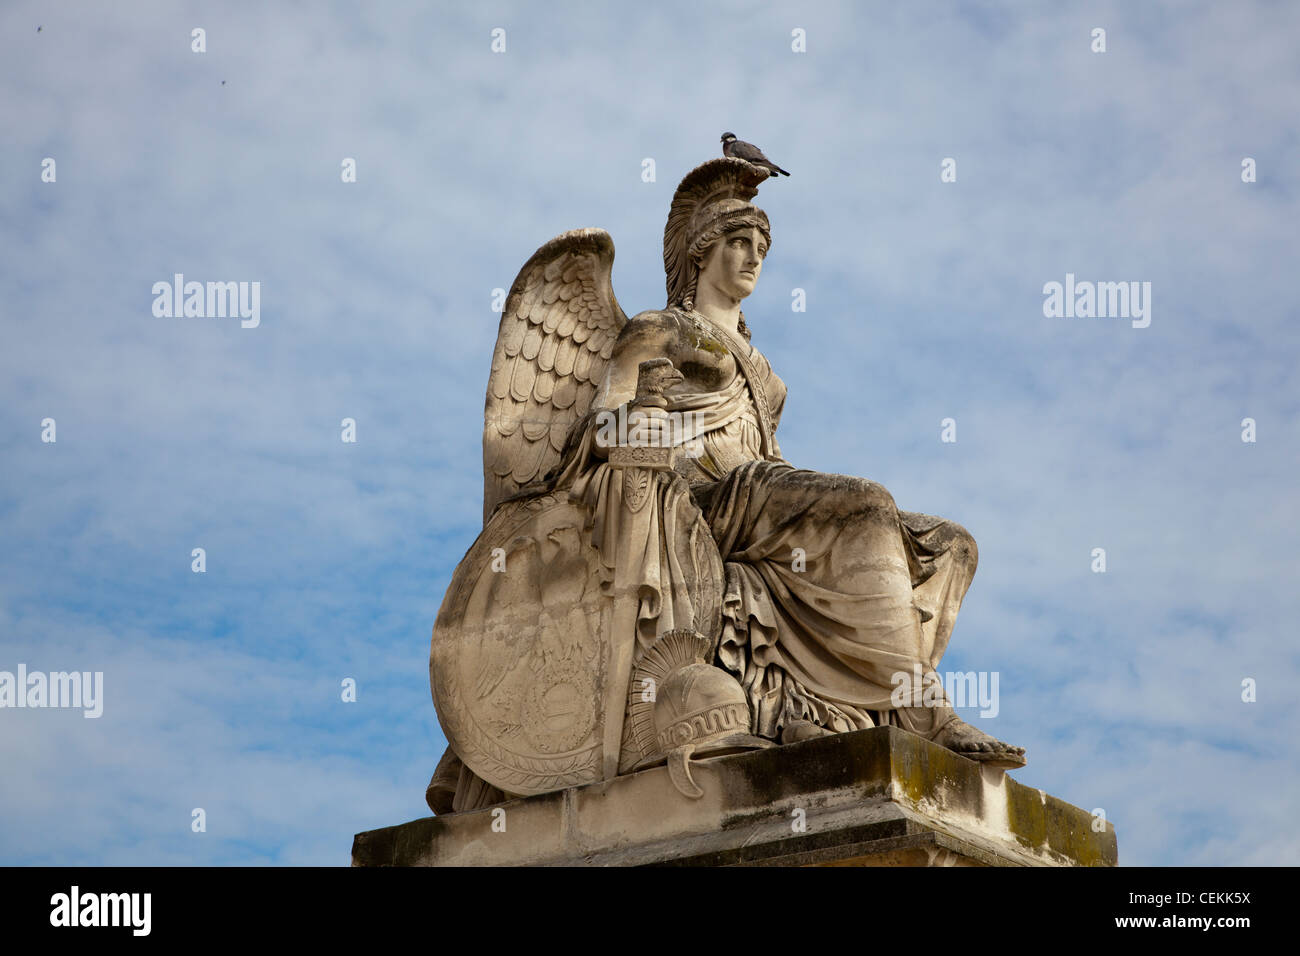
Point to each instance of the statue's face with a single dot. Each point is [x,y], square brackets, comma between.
[734,263]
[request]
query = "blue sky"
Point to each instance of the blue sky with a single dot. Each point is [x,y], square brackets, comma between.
[328,560]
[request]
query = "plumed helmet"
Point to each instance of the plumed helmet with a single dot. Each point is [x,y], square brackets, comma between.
[702,705]
[711,199]
[701,711]
[694,708]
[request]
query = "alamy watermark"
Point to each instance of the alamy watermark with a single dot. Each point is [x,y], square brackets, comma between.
[75,908]
[1100,300]
[212,300]
[83,690]
[955,688]
[624,427]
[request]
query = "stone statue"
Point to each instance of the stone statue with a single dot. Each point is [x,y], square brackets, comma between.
[654,582]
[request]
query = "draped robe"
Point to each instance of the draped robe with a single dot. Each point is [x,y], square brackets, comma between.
[831,591]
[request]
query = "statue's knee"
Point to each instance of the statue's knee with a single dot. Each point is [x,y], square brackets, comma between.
[876,498]
[844,497]
[963,545]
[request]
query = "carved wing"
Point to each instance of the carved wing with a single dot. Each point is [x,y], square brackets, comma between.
[557,332]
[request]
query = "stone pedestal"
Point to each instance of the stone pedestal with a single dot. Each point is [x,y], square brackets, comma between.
[879,797]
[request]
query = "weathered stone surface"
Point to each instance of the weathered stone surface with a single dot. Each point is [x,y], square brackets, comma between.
[877,797]
[634,489]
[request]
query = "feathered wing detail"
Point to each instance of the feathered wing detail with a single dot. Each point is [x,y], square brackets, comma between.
[557,332]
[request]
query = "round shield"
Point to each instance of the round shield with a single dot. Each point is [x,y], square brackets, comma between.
[520,658]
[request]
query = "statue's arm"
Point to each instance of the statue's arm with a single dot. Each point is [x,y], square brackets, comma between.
[646,336]
[778,406]
[649,335]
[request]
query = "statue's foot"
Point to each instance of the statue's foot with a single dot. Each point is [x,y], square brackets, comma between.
[797,730]
[960,737]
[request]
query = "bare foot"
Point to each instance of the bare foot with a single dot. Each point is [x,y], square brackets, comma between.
[960,737]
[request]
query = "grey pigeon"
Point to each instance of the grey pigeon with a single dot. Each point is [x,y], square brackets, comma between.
[739,149]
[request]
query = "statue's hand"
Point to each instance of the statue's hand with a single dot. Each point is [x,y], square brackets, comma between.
[633,426]
[650,427]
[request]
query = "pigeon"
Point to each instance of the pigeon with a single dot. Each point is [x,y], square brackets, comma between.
[738,149]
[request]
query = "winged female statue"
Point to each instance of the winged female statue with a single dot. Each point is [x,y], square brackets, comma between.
[626,524]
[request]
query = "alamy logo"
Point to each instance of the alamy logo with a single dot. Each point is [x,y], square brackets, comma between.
[212,300]
[80,689]
[102,909]
[633,428]
[1101,300]
[953,689]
